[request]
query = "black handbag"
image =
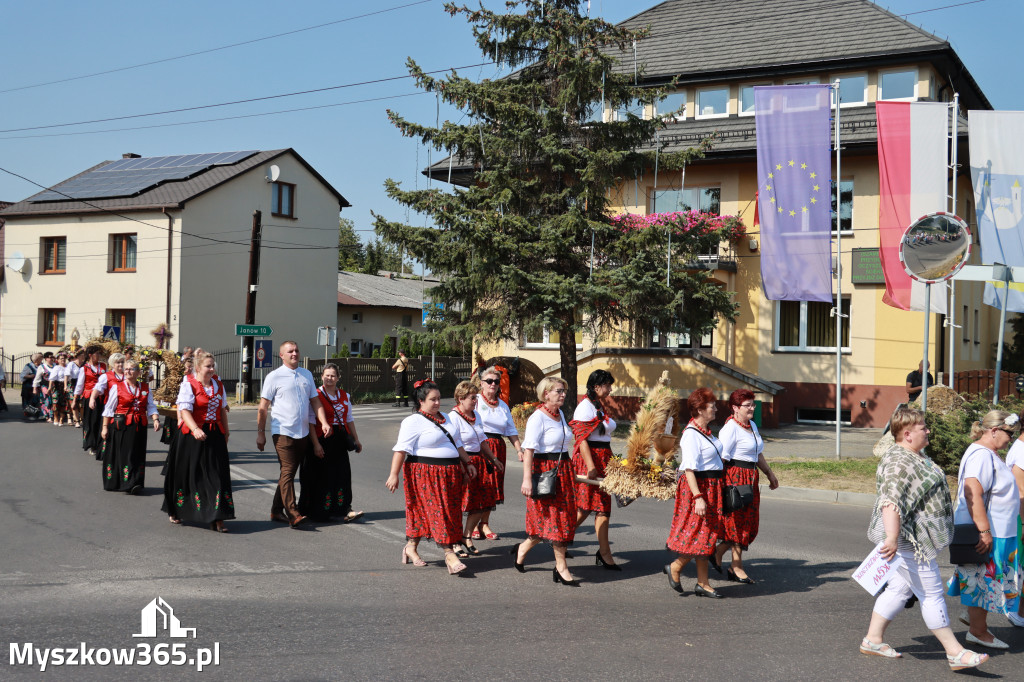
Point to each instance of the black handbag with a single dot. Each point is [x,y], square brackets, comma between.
[962,549]
[736,497]
[545,484]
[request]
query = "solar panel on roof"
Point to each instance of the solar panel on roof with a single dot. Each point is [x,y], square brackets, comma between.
[128,177]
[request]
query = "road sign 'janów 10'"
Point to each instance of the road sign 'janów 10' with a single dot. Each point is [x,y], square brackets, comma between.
[253,330]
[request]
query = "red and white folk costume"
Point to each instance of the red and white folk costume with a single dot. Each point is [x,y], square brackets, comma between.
[586,425]
[327,482]
[692,534]
[92,419]
[551,518]
[481,493]
[496,421]
[129,408]
[742,445]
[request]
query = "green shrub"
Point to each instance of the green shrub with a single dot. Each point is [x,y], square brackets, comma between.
[951,433]
[343,352]
[387,349]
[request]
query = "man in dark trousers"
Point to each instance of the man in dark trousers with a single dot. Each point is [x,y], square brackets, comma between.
[914,382]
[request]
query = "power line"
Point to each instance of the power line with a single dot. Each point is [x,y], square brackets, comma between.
[242,101]
[215,49]
[213,120]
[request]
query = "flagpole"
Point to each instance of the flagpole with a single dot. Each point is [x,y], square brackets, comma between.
[951,318]
[839,284]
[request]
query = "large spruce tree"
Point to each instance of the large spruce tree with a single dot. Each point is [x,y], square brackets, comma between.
[513,248]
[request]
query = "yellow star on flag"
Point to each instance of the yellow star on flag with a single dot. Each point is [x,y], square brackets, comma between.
[792,213]
[780,209]
[803,210]
[778,166]
[768,187]
[813,175]
[791,163]
[803,166]
[816,188]
[813,200]
[772,200]
[771,175]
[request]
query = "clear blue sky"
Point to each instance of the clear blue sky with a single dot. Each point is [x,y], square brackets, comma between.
[353,146]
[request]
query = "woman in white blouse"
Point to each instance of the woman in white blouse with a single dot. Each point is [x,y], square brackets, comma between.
[546,446]
[479,497]
[988,497]
[697,519]
[1015,461]
[429,451]
[497,423]
[592,430]
[129,407]
[743,454]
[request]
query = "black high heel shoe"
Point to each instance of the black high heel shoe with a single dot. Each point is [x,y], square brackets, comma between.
[557,577]
[672,583]
[731,575]
[515,559]
[715,564]
[599,561]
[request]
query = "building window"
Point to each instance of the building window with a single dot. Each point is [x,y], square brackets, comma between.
[897,85]
[965,327]
[682,340]
[124,320]
[712,102]
[357,318]
[355,346]
[123,248]
[809,326]
[977,328]
[673,107]
[406,320]
[282,199]
[54,255]
[704,199]
[853,90]
[51,331]
[845,212]
[747,99]
[634,107]
[545,338]
[802,81]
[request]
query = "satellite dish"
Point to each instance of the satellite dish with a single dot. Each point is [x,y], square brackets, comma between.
[935,247]
[17,262]
[273,173]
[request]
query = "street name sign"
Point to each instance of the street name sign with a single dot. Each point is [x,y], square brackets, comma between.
[253,330]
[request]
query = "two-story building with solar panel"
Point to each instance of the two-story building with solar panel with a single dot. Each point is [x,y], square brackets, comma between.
[133,243]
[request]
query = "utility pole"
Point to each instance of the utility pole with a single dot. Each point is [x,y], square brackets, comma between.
[245,376]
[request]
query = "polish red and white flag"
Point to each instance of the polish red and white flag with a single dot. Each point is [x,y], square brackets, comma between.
[913,162]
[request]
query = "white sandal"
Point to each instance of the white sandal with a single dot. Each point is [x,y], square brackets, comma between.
[882,649]
[957,662]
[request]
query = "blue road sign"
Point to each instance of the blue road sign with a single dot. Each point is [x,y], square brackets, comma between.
[111,333]
[264,359]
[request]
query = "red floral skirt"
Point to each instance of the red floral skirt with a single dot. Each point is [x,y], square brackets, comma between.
[590,497]
[433,502]
[741,526]
[496,479]
[691,534]
[479,495]
[553,518]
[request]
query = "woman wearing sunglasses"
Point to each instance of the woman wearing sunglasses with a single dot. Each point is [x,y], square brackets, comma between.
[497,423]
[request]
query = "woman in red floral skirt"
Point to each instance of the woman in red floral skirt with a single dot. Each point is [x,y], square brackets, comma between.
[545,446]
[743,454]
[429,451]
[697,521]
[479,496]
[592,430]
[497,423]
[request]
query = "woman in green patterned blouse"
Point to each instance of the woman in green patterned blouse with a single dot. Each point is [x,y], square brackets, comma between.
[913,518]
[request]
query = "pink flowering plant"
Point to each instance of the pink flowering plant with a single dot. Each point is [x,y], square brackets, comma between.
[692,224]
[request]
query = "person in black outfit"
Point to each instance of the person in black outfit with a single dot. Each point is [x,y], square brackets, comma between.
[914,382]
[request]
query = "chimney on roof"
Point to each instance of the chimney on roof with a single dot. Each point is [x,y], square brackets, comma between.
[131,155]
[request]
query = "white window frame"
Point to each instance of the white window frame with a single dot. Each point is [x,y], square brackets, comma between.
[357,318]
[546,343]
[616,113]
[804,80]
[355,346]
[803,347]
[696,102]
[739,97]
[880,95]
[864,95]
[681,116]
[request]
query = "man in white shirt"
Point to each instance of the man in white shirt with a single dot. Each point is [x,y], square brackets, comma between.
[291,391]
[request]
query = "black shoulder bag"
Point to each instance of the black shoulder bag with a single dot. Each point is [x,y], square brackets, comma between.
[966,536]
[545,484]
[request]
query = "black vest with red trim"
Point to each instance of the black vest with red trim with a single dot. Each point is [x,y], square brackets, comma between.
[91,377]
[132,405]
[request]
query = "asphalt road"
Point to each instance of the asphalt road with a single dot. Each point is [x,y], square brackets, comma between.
[78,565]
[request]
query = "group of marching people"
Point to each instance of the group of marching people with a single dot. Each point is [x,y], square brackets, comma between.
[454,464]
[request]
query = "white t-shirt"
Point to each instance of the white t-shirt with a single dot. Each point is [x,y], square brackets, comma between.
[544,434]
[472,434]
[110,406]
[42,375]
[1015,457]
[998,485]
[585,411]
[72,371]
[57,374]
[289,392]
[496,419]
[421,437]
[699,452]
[739,444]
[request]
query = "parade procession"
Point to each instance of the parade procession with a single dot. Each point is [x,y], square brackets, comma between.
[709,311]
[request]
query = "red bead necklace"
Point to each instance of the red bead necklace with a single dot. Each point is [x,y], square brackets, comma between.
[746,426]
[554,414]
[471,420]
[489,402]
[436,420]
[706,432]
